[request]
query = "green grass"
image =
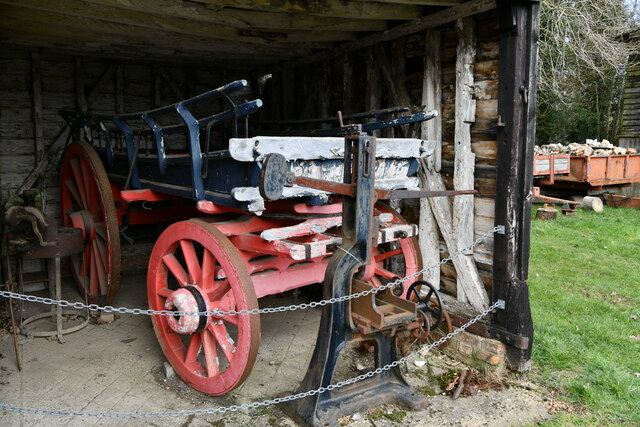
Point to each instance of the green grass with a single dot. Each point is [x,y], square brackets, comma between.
[585,292]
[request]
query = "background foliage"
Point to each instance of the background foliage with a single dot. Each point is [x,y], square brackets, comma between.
[581,68]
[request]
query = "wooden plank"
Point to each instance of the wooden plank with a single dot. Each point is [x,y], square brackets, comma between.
[177,92]
[418,2]
[464,115]
[288,94]
[119,89]
[520,22]
[428,236]
[247,19]
[52,154]
[178,25]
[432,93]
[433,20]
[347,84]
[106,76]
[81,99]
[329,9]
[43,24]
[373,86]
[36,80]
[472,287]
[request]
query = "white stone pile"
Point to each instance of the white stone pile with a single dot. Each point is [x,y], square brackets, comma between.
[591,147]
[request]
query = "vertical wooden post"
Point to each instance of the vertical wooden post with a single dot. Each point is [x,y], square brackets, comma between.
[323,89]
[81,100]
[36,85]
[347,84]
[119,89]
[288,94]
[465,112]
[374,86]
[428,236]
[519,23]
[432,93]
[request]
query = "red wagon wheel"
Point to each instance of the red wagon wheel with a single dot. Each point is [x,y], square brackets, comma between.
[195,268]
[86,202]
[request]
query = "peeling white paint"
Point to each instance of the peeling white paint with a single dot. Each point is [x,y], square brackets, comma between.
[323,148]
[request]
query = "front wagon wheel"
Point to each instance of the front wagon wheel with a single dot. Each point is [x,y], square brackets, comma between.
[195,268]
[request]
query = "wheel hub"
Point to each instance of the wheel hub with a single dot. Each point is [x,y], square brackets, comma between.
[187,299]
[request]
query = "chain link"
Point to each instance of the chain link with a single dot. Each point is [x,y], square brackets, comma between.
[267,310]
[254,405]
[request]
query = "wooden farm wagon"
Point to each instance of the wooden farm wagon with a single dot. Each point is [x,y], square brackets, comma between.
[191,159]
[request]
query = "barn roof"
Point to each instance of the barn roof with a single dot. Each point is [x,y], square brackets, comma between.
[229,31]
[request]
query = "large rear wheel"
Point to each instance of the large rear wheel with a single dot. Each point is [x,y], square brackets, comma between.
[87,203]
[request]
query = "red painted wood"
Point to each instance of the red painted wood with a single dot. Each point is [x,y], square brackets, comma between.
[218,358]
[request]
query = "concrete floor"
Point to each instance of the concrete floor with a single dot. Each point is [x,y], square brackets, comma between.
[118,367]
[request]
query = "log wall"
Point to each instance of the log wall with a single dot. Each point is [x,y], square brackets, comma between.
[630,124]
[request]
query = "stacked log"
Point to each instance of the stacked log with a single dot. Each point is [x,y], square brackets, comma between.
[591,147]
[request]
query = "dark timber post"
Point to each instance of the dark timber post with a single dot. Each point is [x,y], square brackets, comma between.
[519,24]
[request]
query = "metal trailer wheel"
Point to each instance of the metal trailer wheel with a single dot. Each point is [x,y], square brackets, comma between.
[86,202]
[195,268]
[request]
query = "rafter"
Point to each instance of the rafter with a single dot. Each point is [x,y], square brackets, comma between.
[44,22]
[248,19]
[82,9]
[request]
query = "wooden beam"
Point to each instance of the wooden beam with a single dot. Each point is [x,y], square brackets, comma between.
[45,23]
[69,46]
[433,20]
[465,113]
[432,93]
[374,86]
[81,99]
[177,92]
[288,76]
[50,157]
[428,235]
[330,9]
[106,76]
[520,23]
[418,2]
[177,25]
[246,19]
[466,269]
[36,88]
[120,89]
[347,84]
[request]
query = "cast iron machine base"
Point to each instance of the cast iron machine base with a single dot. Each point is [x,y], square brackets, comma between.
[336,326]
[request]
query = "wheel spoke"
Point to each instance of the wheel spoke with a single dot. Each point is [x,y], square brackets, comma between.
[225,342]
[101,248]
[93,273]
[210,354]
[193,265]
[100,230]
[77,174]
[90,192]
[387,255]
[195,344]
[208,269]
[100,270]
[165,292]
[218,290]
[227,303]
[176,269]
[73,190]
[385,273]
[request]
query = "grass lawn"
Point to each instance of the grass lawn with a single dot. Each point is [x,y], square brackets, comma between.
[584,282]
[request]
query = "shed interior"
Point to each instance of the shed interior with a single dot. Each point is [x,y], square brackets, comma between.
[305,60]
